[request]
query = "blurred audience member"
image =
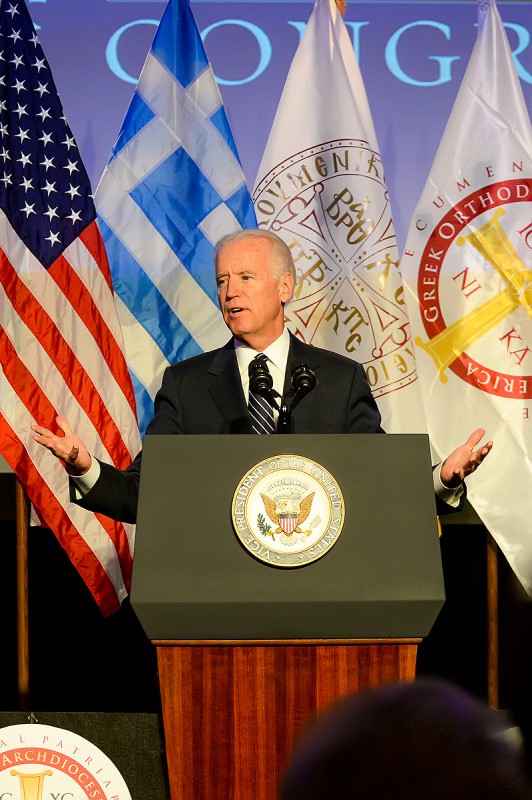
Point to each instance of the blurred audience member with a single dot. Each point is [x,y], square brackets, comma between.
[427,740]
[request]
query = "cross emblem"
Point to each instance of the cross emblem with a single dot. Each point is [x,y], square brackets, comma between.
[493,244]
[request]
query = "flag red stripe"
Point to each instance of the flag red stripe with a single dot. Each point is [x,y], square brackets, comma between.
[54,516]
[24,384]
[42,410]
[76,293]
[116,532]
[73,372]
[92,239]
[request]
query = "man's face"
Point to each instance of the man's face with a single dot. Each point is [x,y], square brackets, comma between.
[250,298]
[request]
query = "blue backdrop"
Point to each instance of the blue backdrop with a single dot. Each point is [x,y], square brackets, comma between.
[412,56]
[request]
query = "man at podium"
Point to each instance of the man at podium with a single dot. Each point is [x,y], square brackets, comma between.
[262,379]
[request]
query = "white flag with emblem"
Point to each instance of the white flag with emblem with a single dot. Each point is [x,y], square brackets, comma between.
[467,270]
[321,187]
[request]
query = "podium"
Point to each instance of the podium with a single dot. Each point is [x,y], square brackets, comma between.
[248,652]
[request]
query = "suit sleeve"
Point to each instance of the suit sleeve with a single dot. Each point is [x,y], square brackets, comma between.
[168,416]
[115,493]
[363,415]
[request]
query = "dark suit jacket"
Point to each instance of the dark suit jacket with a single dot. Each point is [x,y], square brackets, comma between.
[204,395]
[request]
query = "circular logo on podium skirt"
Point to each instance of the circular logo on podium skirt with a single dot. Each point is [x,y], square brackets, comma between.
[288,511]
[41,762]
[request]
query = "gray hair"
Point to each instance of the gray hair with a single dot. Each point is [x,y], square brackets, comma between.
[282,257]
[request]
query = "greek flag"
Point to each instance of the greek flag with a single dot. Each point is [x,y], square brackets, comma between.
[173,186]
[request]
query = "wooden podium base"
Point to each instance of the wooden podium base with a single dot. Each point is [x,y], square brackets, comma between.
[232,710]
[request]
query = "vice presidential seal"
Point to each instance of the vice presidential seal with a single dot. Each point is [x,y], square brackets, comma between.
[288,511]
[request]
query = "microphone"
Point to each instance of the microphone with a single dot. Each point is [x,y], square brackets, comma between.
[303,379]
[260,379]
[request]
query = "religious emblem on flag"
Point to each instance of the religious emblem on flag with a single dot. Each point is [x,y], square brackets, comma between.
[331,206]
[472,310]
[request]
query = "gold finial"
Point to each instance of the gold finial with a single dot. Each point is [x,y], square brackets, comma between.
[341,5]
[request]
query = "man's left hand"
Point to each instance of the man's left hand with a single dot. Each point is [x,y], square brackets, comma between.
[464,460]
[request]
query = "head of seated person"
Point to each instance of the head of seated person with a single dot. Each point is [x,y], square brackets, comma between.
[427,740]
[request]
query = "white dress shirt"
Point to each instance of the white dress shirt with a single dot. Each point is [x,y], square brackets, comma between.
[277,354]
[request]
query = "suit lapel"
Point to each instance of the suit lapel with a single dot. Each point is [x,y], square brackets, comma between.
[299,351]
[225,387]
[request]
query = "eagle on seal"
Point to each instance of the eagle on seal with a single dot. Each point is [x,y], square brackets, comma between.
[288,515]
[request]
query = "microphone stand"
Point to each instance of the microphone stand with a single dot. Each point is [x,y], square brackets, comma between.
[283,420]
[303,381]
[261,382]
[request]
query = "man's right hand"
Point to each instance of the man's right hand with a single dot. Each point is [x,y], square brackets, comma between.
[68,447]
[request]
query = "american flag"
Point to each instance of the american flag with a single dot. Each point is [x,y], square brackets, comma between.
[60,340]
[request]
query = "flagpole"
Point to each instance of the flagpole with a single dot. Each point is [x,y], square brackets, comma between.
[22,521]
[492,570]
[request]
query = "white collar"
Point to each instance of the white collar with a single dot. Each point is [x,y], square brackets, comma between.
[277,353]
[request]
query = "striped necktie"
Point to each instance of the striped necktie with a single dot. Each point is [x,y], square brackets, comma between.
[260,409]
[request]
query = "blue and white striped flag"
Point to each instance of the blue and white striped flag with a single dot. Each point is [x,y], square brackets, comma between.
[172,188]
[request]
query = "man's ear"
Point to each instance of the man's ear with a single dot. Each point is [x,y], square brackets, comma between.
[286,287]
